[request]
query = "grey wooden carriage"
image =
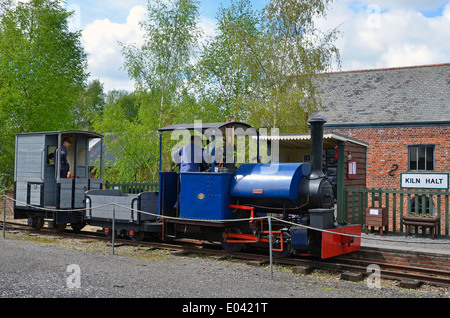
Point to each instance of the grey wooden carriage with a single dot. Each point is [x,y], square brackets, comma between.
[40,189]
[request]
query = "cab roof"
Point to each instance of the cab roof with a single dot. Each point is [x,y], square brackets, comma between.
[65,132]
[205,126]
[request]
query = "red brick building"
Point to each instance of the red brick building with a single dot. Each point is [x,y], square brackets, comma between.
[394,150]
[392,127]
[403,114]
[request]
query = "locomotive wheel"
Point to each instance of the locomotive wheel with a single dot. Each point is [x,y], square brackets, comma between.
[37,222]
[137,236]
[231,247]
[287,247]
[77,227]
[59,228]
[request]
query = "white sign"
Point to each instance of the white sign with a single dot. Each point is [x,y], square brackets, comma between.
[424,180]
[373,211]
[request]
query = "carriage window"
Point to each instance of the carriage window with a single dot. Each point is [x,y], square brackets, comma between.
[421,158]
[95,157]
[81,156]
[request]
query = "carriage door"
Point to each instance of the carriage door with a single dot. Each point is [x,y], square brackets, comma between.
[63,184]
[51,143]
[95,163]
[81,172]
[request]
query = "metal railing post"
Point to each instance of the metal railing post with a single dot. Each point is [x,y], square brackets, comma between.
[4,217]
[113,227]
[270,247]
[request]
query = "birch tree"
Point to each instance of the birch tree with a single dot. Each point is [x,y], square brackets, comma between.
[162,64]
[42,71]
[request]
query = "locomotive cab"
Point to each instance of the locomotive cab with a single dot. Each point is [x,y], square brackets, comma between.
[199,201]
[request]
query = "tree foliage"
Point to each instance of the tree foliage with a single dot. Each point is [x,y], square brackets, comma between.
[42,71]
[132,146]
[264,62]
[223,67]
[89,105]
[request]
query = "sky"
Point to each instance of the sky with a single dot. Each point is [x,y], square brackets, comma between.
[374,33]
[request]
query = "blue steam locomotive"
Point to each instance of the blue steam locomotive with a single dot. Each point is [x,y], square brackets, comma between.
[223,204]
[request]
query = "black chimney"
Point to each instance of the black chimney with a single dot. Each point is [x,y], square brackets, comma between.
[317,146]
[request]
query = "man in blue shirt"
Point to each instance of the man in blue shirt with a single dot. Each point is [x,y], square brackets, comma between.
[191,156]
[61,152]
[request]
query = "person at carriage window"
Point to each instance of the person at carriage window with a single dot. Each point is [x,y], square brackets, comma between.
[191,157]
[51,159]
[61,152]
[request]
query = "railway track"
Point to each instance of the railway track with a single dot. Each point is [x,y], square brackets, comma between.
[400,272]
[339,264]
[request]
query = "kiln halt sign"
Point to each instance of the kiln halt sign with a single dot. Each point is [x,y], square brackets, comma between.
[424,180]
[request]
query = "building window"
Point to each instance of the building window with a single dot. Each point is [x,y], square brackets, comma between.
[421,158]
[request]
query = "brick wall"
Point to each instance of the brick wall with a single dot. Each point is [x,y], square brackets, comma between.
[416,258]
[389,146]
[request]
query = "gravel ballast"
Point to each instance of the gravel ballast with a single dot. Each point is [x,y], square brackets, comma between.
[36,268]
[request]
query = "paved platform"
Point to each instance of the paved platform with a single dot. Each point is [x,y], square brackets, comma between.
[415,244]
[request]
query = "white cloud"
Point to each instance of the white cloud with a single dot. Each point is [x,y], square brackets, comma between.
[410,54]
[373,37]
[101,41]
[414,5]
[375,34]
[446,13]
